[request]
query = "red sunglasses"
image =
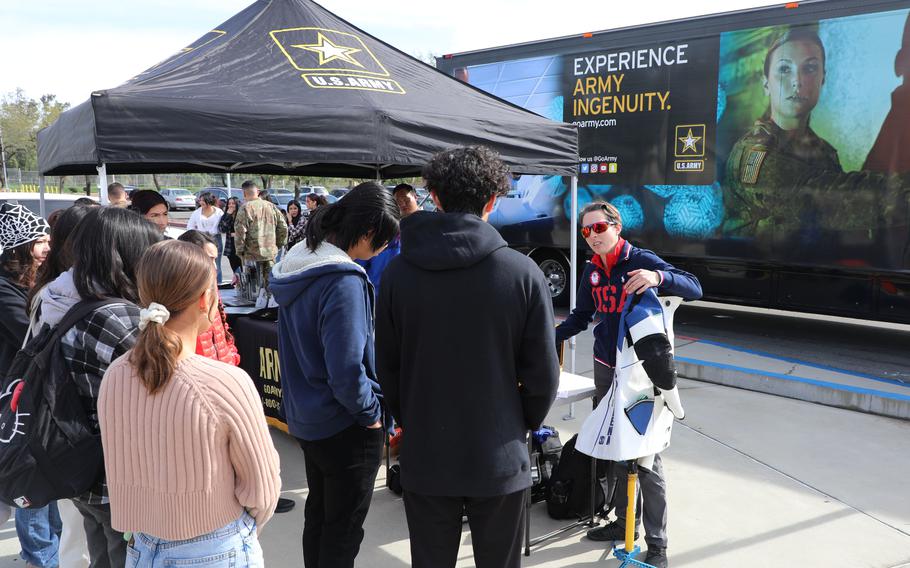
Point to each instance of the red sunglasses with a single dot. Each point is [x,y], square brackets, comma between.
[598,227]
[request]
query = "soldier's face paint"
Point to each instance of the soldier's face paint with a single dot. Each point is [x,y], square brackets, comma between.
[794,83]
[601,243]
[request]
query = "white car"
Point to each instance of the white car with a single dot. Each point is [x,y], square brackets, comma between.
[178,198]
[32,201]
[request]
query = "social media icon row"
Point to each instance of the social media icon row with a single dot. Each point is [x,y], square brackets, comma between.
[610,168]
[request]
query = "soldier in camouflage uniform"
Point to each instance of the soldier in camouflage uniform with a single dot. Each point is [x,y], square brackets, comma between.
[259,231]
[782,178]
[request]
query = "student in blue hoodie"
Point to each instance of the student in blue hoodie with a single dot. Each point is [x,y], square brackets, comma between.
[618,270]
[331,399]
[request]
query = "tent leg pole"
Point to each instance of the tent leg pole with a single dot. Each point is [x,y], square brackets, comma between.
[42,208]
[573,263]
[573,273]
[102,184]
[228,176]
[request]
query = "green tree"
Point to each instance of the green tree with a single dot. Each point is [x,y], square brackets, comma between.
[20,120]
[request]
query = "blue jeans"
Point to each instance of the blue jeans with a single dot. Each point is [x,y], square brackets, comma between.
[234,544]
[39,535]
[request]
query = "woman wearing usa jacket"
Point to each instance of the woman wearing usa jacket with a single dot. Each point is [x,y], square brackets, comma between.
[618,270]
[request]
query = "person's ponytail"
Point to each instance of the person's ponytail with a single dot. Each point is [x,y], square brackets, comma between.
[171,277]
[155,355]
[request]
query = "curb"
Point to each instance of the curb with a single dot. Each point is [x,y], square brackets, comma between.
[871,401]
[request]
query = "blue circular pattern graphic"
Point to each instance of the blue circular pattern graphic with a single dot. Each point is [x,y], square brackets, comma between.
[694,211]
[633,216]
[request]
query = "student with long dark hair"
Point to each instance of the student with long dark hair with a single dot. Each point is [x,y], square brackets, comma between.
[226,226]
[204,492]
[330,395]
[110,244]
[314,201]
[24,246]
[296,223]
[60,257]
[72,549]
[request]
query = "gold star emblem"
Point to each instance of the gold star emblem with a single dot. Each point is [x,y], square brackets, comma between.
[328,51]
[689,141]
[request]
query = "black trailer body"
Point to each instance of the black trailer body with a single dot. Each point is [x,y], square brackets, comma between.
[766,151]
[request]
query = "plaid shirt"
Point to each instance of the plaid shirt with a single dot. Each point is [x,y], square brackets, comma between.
[90,347]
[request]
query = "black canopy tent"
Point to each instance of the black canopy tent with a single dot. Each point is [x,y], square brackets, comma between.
[287,87]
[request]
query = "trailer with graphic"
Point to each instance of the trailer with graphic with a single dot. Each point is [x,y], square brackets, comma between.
[766,151]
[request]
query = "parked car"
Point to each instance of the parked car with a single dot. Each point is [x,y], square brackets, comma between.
[424,201]
[281,199]
[178,198]
[32,201]
[339,192]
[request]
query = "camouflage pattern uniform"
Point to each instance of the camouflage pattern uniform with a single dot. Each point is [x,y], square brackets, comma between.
[778,185]
[260,230]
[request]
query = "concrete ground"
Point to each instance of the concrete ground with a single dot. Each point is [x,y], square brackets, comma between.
[754,480]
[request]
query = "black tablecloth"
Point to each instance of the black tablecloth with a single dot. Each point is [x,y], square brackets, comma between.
[257,342]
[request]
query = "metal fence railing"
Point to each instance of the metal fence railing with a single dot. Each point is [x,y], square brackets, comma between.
[28,181]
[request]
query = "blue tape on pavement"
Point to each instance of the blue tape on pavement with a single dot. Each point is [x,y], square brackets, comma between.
[801,362]
[826,384]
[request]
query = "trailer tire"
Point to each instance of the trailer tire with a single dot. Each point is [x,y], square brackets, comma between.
[555,268]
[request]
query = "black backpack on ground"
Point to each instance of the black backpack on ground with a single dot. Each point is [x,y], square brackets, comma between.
[570,485]
[48,447]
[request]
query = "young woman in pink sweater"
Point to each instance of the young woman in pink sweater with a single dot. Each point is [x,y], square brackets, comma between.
[191,469]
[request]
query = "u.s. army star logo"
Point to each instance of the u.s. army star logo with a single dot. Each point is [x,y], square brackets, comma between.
[331,59]
[329,52]
[690,141]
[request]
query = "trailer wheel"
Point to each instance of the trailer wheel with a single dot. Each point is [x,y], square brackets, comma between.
[556,270]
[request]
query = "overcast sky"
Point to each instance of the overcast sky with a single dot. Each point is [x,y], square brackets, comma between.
[72,47]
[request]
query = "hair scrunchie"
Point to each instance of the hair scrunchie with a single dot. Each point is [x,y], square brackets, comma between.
[154,313]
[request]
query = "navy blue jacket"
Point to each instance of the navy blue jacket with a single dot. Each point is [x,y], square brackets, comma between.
[325,342]
[601,293]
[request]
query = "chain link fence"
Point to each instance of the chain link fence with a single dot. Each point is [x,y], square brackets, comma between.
[28,181]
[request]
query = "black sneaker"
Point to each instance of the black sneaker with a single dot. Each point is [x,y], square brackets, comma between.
[657,557]
[613,531]
[284,505]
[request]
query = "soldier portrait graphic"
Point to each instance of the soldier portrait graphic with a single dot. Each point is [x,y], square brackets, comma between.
[786,187]
[781,145]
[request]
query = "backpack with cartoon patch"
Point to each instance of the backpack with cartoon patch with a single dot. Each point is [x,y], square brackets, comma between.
[48,447]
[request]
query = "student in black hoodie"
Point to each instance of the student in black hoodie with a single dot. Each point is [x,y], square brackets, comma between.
[466,357]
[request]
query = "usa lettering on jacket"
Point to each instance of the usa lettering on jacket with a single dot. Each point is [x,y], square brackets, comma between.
[608,298]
